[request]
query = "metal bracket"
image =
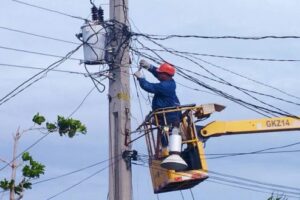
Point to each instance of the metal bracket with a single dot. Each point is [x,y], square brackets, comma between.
[128,156]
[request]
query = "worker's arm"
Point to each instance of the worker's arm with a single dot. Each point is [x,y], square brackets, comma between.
[153,71]
[155,88]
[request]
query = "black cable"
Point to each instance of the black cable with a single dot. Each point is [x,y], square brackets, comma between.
[78,183]
[253,185]
[229,57]
[95,81]
[50,10]
[280,111]
[232,72]
[20,154]
[37,53]
[181,195]
[73,172]
[166,37]
[81,181]
[245,188]
[38,35]
[257,151]
[192,194]
[81,103]
[255,181]
[241,102]
[246,183]
[45,71]
[215,90]
[40,68]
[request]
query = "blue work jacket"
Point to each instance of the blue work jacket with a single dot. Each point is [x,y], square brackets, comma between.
[164,95]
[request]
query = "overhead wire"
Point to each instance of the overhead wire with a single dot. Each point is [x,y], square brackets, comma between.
[39,68]
[193,55]
[76,171]
[243,184]
[166,37]
[230,97]
[38,35]
[213,89]
[50,10]
[37,53]
[15,91]
[281,112]
[257,151]
[82,102]
[229,57]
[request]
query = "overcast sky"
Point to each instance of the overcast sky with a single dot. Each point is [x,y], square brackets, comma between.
[61,93]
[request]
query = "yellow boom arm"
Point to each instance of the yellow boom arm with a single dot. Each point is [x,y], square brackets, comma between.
[218,128]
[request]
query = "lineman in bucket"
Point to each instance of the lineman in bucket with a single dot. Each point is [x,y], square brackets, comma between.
[164,91]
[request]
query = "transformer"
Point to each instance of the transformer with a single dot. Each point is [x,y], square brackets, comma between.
[93,38]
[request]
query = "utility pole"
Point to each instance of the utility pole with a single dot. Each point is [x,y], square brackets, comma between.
[120,183]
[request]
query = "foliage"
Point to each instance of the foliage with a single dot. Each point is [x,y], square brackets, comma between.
[33,169]
[64,126]
[281,197]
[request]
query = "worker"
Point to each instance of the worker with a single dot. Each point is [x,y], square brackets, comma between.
[164,91]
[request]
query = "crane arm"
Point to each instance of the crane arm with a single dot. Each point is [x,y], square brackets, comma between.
[218,128]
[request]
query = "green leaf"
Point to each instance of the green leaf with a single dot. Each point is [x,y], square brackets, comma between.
[51,127]
[26,156]
[4,184]
[38,119]
[27,185]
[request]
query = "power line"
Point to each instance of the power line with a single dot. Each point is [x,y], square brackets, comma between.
[166,37]
[247,183]
[50,10]
[15,91]
[81,103]
[228,57]
[37,53]
[29,147]
[258,151]
[248,105]
[81,181]
[40,68]
[72,172]
[38,35]
[170,50]
[244,188]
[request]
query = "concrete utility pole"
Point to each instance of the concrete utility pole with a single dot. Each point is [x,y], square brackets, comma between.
[120,187]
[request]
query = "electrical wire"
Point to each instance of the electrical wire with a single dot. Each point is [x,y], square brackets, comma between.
[40,68]
[232,72]
[261,151]
[75,171]
[192,194]
[29,147]
[44,72]
[166,37]
[82,180]
[281,112]
[246,183]
[228,57]
[256,108]
[37,53]
[38,35]
[50,10]
[76,184]
[82,102]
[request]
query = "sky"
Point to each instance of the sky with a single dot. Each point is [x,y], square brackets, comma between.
[61,93]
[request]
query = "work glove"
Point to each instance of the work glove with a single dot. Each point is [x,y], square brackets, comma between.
[144,64]
[138,74]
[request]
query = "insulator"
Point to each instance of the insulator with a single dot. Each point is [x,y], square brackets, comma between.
[94,13]
[100,15]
